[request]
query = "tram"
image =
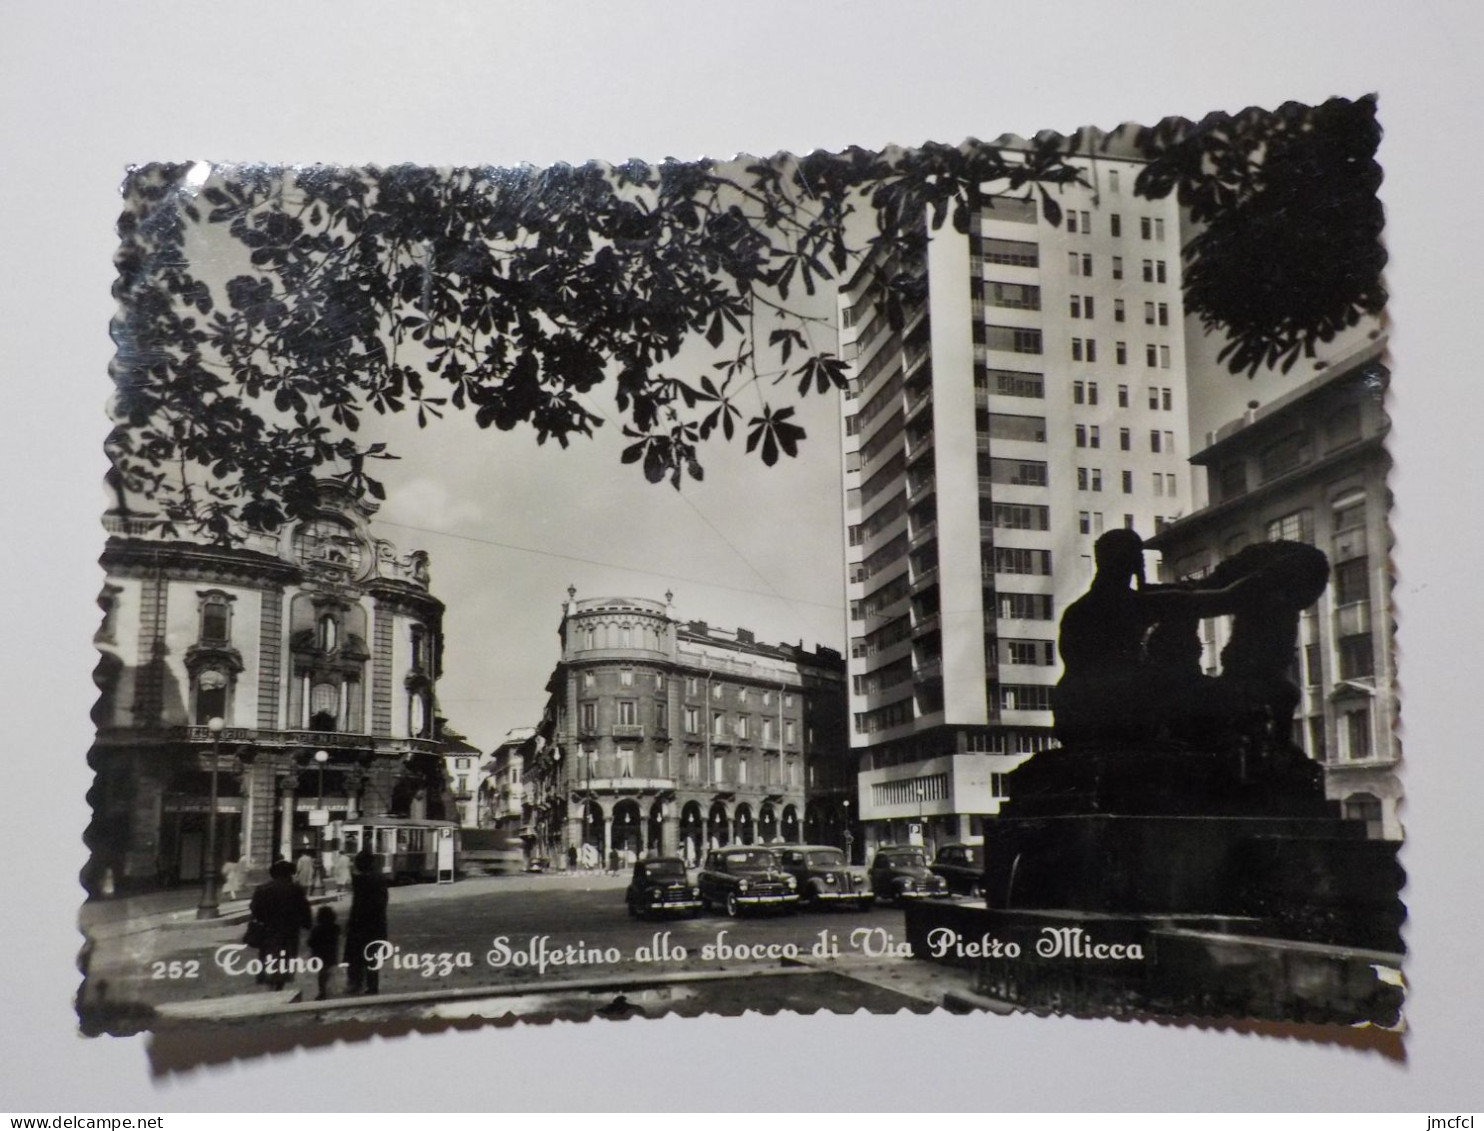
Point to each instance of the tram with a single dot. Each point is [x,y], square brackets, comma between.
[407,850]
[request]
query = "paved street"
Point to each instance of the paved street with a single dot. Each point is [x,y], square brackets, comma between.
[507,932]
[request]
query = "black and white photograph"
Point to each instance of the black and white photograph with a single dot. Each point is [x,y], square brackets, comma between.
[952,576]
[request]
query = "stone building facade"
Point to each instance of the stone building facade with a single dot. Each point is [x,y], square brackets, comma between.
[1311,466]
[665,736]
[322,638]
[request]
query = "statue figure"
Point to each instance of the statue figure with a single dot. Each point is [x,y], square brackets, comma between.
[1131,651]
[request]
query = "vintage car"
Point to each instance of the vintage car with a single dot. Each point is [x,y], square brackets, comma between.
[962,865]
[824,878]
[746,878]
[900,872]
[661,886]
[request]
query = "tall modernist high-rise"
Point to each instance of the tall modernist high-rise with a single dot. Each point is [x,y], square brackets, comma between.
[1033,398]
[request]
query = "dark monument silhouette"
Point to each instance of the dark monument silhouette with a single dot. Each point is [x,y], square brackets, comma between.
[1177,814]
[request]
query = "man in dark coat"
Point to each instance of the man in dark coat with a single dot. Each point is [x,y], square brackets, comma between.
[366,924]
[281,906]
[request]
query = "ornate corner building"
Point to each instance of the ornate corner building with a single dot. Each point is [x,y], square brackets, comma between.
[665,736]
[321,639]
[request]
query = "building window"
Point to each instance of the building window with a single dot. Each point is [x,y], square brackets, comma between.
[1170,488]
[790,736]
[1035,653]
[1079,392]
[1118,312]
[1120,352]
[1288,453]
[1164,357]
[1125,439]
[692,720]
[1356,658]
[626,676]
[628,713]
[1118,267]
[1365,807]
[1148,270]
[1356,726]
[1113,182]
[1295,527]
[1167,397]
[1159,484]
[1164,314]
[1149,314]
[1128,482]
[1084,522]
[1343,427]
[1159,228]
[1115,221]
[1146,227]
[1012,559]
[589,681]
[1024,606]
[1352,585]
[1313,669]
[216,618]
[716,691]
[587,714]
[1094,437]
[742,727]
[1159,270]
[1025,697]
[1154,441]
[718,723]
[1151,355]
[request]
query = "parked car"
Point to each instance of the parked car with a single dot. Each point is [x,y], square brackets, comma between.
[746,878]
[824,878]
[900,872]
[962,865]
[662,886]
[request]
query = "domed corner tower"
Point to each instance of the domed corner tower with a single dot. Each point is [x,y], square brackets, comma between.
[617,694]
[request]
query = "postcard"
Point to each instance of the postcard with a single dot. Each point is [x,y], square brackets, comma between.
[950,577]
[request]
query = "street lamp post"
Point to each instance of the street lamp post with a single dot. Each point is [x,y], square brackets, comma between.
[320,758]
[849,836]
[207,908]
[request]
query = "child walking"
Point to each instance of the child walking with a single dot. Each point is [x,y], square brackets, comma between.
[324,944]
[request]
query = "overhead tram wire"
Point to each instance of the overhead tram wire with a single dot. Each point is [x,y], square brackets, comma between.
[710,583]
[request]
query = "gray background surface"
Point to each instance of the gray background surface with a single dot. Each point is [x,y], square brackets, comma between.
[91,87]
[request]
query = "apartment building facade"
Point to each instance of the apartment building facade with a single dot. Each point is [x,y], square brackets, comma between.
[1311,466]
[1033,397]
[666,736]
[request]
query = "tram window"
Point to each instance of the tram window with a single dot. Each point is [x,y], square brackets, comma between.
[352,840]
[386,841]
[402,840]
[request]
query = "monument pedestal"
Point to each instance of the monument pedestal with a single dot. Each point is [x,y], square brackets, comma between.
[1265,904]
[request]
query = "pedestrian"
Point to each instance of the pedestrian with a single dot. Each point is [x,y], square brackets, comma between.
[365,925]
[234,877]
[342,873]
[571,858]
[304,871]
[613,865]
[324,944]
[278,912]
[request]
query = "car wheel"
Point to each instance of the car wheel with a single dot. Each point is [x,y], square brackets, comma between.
[734,909]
